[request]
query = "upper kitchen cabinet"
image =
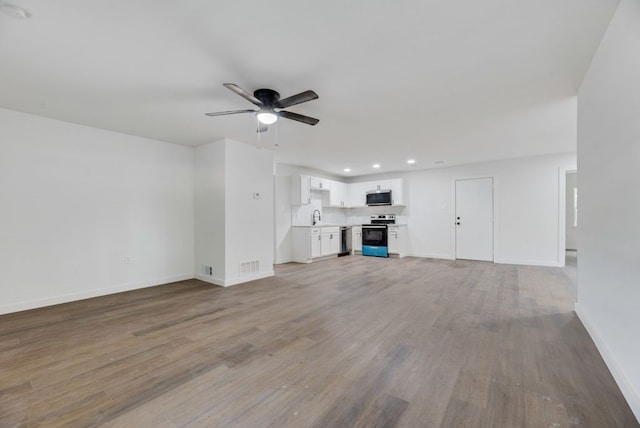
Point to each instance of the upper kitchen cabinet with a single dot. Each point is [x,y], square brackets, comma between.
[319,183]
[397,191]
[300,190]
[338,194]
[358,194]
[358,191]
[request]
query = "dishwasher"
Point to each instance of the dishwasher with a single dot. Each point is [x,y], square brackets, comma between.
[345,241]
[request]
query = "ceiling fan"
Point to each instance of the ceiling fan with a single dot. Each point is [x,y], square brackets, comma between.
[270,106]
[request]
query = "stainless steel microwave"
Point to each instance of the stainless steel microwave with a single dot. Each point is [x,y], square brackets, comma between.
[379,197]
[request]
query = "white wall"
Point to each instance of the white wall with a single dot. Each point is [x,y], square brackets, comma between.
[527,209]
[282,212]
[526,201]
[609,231]
[571,239]
[287,215]
[75,201]
[232,226]
[210,211]
[249,225]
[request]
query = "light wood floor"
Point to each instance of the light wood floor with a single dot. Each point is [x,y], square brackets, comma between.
[354,341]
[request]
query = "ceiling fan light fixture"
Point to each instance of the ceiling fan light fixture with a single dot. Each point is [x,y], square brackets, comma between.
[268,117]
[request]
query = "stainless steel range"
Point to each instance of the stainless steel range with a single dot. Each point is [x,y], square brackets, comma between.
[375,236]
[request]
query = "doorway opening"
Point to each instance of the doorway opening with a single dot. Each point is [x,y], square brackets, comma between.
[571,224]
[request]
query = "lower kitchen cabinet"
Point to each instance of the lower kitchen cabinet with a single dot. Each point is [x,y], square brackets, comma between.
[397,240]
[316,243]
[330,241]
[311,243]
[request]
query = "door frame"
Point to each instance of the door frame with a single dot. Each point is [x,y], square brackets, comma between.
[562,211]
[496,223]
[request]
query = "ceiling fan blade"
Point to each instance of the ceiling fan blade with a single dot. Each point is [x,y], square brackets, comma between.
[222,113]
[262,127]
[244,94]
[300,118]
[302,97]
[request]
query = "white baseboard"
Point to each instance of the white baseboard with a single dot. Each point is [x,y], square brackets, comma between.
[210,279]
[233,281]
[549,263]
[501,261]
[432,256]
[71,297]
[631,395]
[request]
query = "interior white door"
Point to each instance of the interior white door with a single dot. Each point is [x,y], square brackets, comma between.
[474,219]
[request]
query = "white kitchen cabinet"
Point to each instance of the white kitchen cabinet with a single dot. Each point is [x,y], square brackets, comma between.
[356,239]
[338,194]
[358,191]
[397,239]
[315,243]
[397,191]
[300,190]
[330,241]
[316,183]
[358,194]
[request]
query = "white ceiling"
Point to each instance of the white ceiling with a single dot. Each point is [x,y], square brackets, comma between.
[459,81]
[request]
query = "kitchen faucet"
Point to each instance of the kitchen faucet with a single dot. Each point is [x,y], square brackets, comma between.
[314,217]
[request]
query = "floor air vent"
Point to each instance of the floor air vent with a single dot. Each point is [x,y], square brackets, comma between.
[247,268]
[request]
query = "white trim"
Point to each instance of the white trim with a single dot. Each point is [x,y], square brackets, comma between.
[551,263]
[632,396]
[236,280]
[433,256]
[210,279]
[72,297]
[562,212]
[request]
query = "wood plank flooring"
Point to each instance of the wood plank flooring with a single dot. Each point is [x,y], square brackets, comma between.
[350,342]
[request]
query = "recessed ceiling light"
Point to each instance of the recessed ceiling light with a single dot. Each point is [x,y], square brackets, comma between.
[14,11]
[347,170]
[376,165]
[411,161]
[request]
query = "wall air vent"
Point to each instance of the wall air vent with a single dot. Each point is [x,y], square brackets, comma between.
[249,267]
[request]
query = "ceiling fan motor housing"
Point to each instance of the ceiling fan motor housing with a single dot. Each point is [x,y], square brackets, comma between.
[269,97]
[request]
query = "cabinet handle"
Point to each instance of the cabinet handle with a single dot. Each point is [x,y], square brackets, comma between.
[319,238]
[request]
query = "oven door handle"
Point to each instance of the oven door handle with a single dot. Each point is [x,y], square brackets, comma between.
[374,227]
